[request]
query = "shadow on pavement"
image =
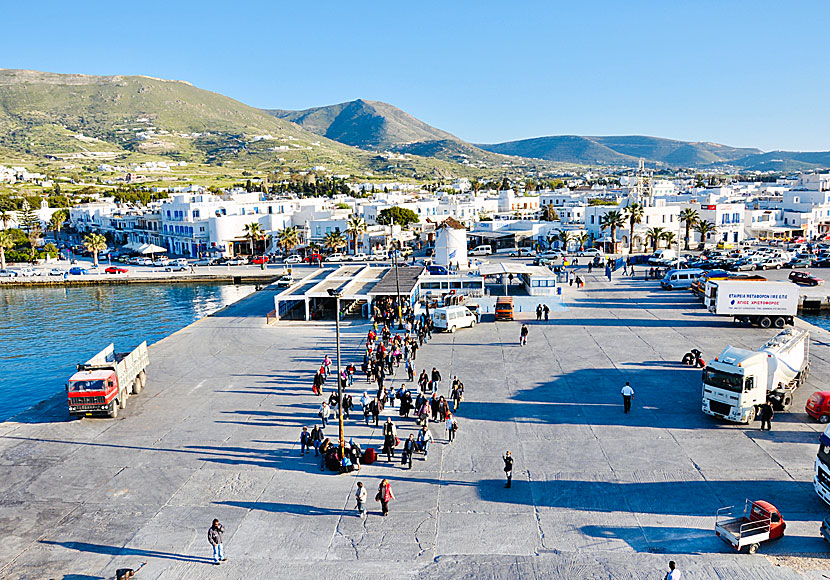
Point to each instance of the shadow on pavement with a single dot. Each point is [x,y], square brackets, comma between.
[122,551]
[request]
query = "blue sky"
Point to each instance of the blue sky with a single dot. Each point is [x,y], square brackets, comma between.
[739,73]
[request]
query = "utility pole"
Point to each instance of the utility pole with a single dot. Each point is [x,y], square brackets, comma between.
[336,295]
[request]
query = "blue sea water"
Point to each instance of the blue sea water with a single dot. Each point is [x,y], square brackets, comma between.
[45,332]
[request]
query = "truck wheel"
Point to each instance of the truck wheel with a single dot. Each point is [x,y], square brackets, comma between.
[765,322]
[113,412]
[824,419]
[780,322]
[753,548]
[786,402]
[122,399]
[143,377]
[136,386]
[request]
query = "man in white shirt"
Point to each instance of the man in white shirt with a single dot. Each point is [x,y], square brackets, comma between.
[627,394]
[674,573]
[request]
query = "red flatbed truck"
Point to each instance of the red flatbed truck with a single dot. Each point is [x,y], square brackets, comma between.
[103,383]
[760,522]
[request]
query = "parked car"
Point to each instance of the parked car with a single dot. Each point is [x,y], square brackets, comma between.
[818,406]
[451,318]
[593,252]
[335,257]
[163,261]
[313,258]
[285,281]
[8,274]
[804,278]
[145,262]
[799,262]
[259,260]
[206,262]
[56,272]
[359,257]
[484,250]
[771,263]
[293,259]
[235,262]
[521,252]
[78,271]
[116,270]
[176,267]
[27,272]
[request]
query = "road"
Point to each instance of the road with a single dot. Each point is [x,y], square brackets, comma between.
[597,493]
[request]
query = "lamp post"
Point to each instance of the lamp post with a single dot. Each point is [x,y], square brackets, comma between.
[336,295]
[397,283]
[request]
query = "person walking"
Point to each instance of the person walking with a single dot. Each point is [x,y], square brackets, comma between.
[384,496]
[538,312]
[374,409]
[673,573]
[627,394]
[546,309]
[457,395]
[410,370]
[508,468]
[408,450]
[452,427]
[523,335]
[305,441]
[424,439]
[324,413]
[316,439]
[215,540]
[766,415]
[360,496]
[390,435]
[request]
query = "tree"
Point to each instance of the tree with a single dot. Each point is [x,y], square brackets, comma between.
[655,235]
[582,239]
[6,241]
[58,219]
[670,238]
[355,227]
[549,214]
[397,215]
[5,217]
[476,185]
[288,239]
[690,217]
[95,243]
[612,220]
[505,184]
[33,235]
[550,240]
[634,213]
[564,239]
[27,217]
[254,232]
[334,240]
[704,228]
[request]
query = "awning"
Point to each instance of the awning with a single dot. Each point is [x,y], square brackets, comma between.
[132,246]
[151,249]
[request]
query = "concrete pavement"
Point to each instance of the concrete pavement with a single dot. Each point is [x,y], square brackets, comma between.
[596,494]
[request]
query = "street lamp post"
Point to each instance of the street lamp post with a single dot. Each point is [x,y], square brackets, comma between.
[397,283]
[336,294]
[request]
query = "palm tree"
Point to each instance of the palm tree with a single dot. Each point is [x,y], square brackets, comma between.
[550,240]
[582,239]
[288,239]
[355,227]
[6,241]
[57,221]
[690,218]
[33,235]
[655,235]
[5,217]
[612,220]
[670,238]
[334,240]
[95,243]
[476,185]
[254,232]
[634,213]
[704,228]
[564,239]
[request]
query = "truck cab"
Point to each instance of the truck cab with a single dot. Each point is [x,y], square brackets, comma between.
[92,392]
[734,384]
[821,479]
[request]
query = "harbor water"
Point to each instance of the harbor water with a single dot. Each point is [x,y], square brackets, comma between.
[45,332]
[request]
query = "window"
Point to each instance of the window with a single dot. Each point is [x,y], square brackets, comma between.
[592,219]
[196,214]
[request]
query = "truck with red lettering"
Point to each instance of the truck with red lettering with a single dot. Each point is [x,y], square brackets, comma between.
[103,383]
[764,304]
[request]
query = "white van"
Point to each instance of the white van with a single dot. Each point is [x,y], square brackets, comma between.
[484,250]
[662,256]
[452,317]
[675,279]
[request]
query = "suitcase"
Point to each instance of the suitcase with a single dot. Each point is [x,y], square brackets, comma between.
[332,462]
[370,456]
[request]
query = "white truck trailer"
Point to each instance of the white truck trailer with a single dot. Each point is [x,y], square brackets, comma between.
[753,302]
[739,380]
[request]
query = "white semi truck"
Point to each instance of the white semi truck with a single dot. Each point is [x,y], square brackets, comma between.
[821,480]
[739,380]
[753,302]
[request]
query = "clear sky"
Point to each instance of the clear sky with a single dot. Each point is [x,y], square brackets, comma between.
[751,73]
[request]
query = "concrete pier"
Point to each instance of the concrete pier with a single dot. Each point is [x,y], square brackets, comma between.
[596,494]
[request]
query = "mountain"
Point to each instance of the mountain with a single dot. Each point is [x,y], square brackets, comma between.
[365,124]
[784,161]
[621,150]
